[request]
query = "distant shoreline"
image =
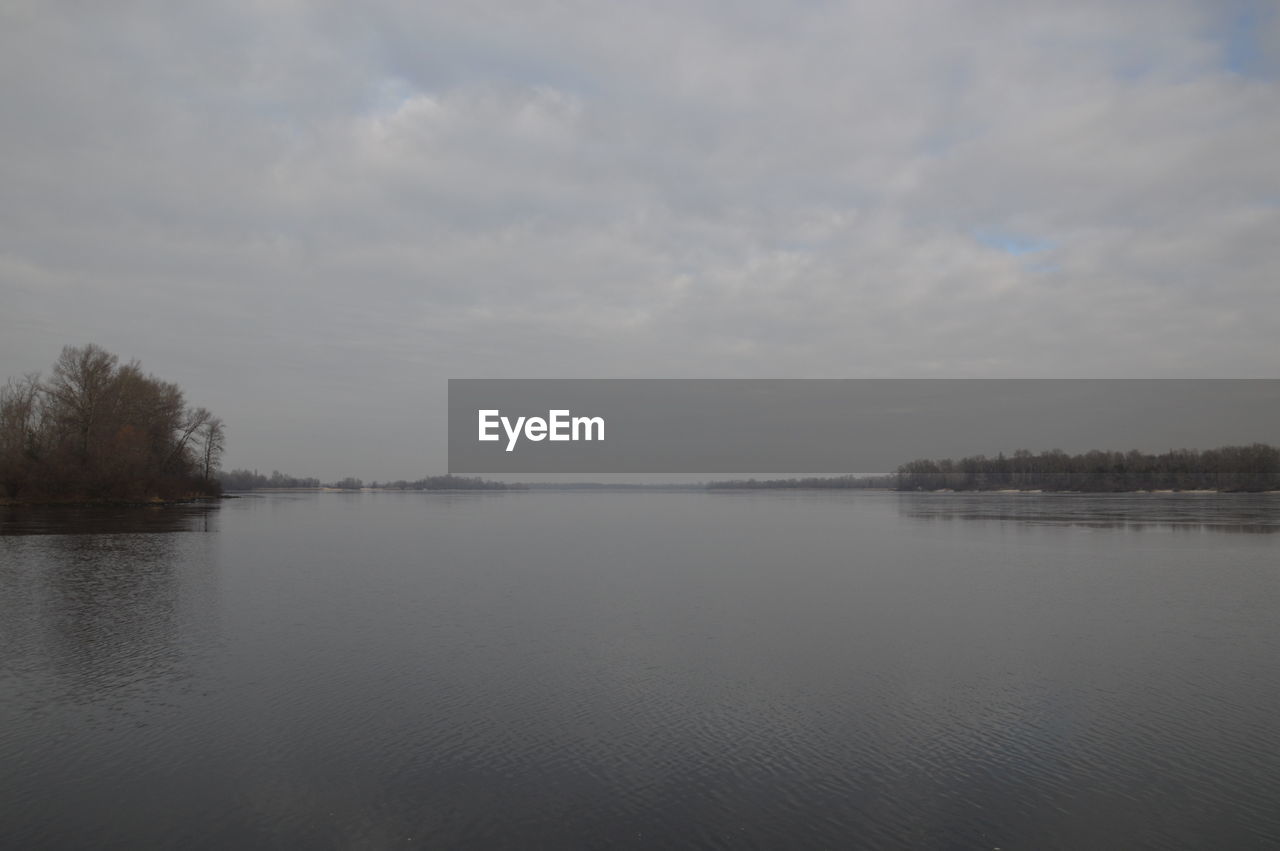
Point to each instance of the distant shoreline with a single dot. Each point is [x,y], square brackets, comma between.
[596,488]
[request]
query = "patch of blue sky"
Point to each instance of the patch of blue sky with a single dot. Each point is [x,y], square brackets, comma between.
[1242,50]
[1015,244]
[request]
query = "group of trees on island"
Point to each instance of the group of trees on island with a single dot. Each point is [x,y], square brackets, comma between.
[1229,468]
[97,429]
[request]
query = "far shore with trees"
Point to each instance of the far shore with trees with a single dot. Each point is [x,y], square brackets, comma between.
[251,480]
[1236,469]
[1229,469]
[97,430]
[808,483]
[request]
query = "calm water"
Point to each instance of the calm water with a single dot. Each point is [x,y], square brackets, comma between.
[586,670]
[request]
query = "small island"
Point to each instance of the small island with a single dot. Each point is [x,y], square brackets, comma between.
[99,431]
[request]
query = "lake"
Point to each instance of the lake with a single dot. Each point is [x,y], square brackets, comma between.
[643,669]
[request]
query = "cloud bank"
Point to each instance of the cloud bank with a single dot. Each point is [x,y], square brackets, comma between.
[311,215]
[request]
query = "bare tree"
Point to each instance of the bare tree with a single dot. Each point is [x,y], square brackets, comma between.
[19,411]
[77,390]
[20,430]
[212,442]
[194,420]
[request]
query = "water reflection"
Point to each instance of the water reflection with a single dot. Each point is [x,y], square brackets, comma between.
[98,520]
[96,605]
[571,670]
[1247,513]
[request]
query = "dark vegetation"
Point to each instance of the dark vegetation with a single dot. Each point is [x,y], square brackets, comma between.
[245,480]
[99,430]
[448,483]
[812,482]
[1230,468]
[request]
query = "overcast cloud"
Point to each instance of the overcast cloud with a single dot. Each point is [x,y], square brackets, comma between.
[311,215]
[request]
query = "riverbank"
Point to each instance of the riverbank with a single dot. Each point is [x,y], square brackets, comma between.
[155,502]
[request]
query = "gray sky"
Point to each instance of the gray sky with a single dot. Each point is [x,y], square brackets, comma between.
[311,215]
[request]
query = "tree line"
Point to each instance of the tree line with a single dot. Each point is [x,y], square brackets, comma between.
[245,480]
[1228,468]
[807,483]
[447,482]
[97,429]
